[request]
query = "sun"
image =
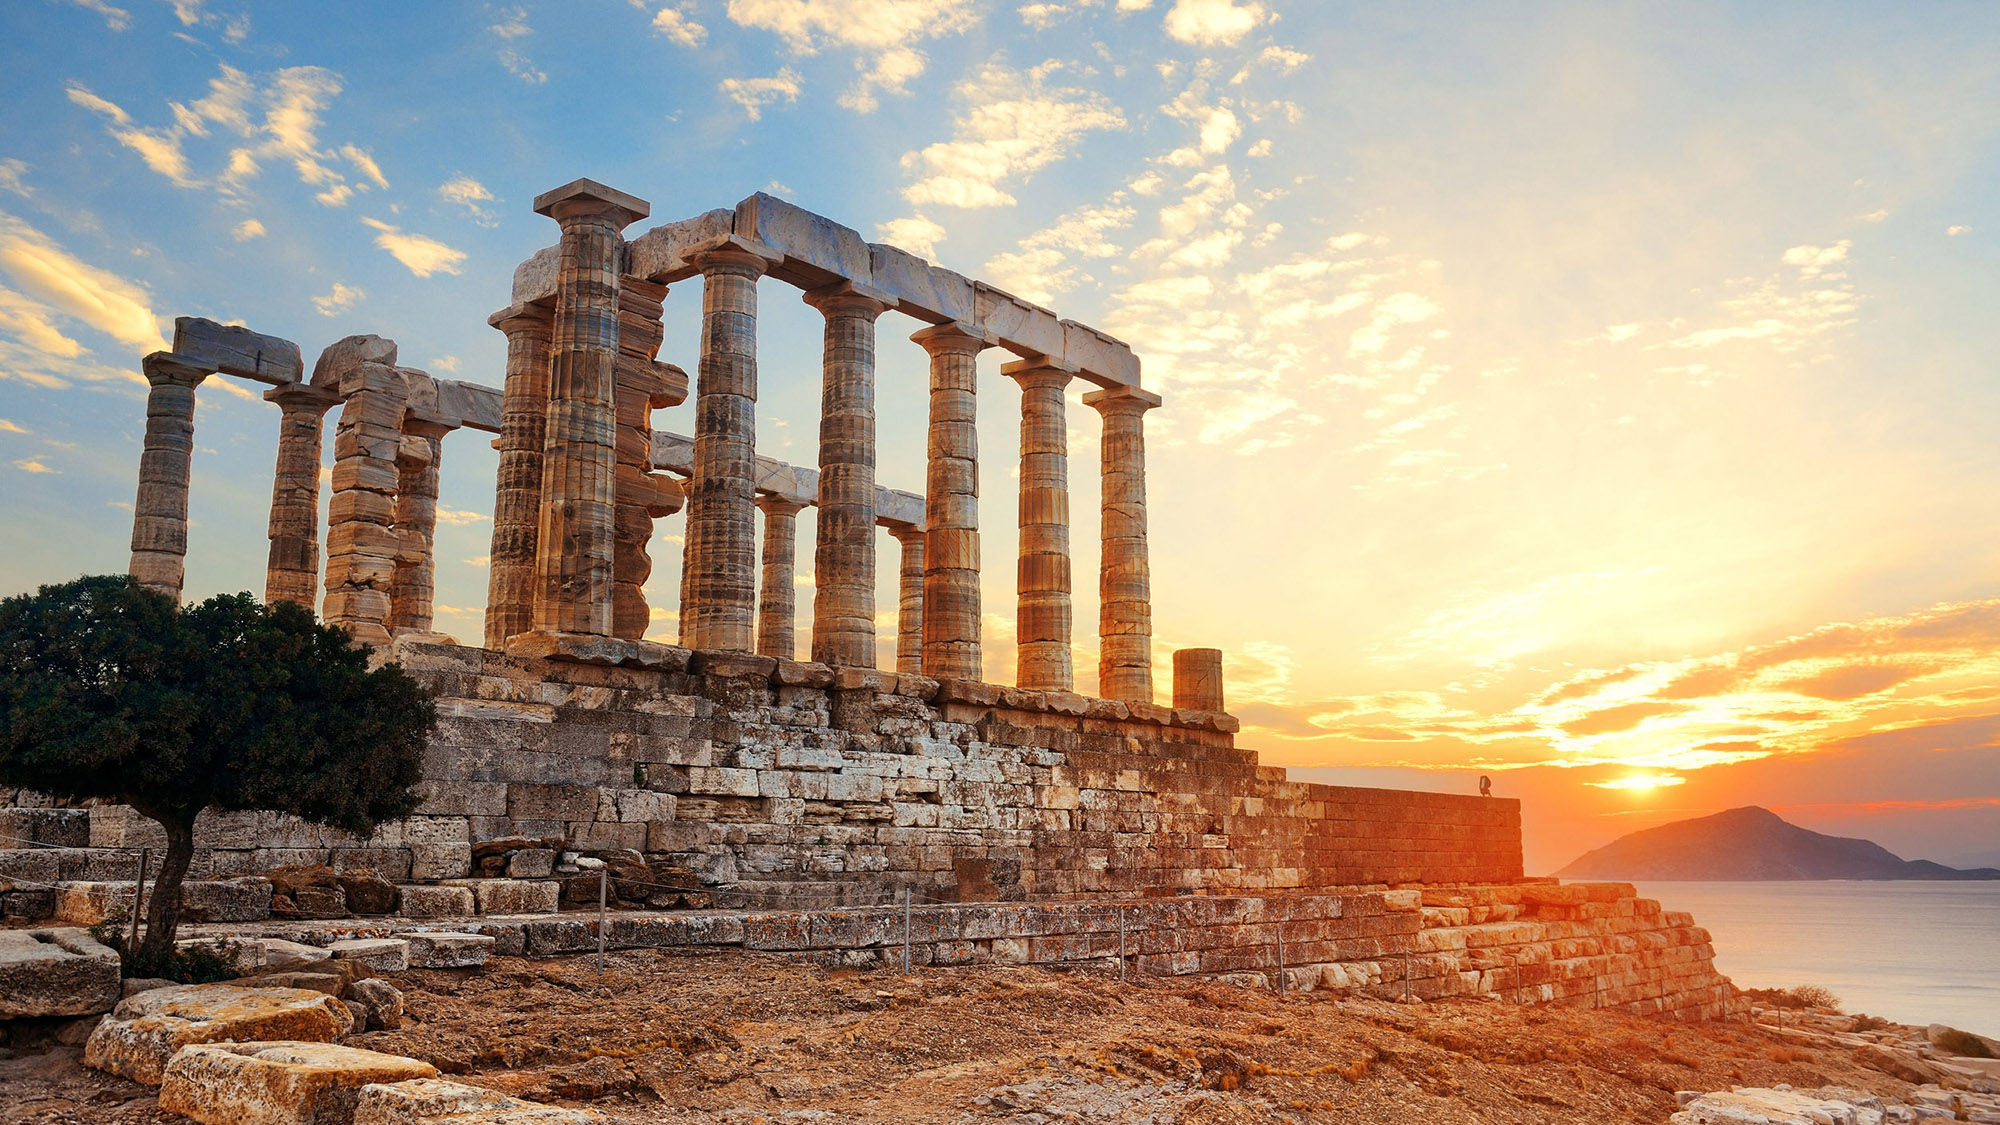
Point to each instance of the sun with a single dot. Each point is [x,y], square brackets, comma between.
[1641,782]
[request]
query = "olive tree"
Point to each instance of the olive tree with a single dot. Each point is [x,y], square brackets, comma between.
[112,691]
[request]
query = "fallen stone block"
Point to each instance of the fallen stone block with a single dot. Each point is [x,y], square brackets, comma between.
[56,972]
[282,954]
[448,950]
[382,955]
[435,1101]
[277,1083]
[146,1030]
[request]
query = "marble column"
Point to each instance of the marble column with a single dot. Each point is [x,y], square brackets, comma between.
[951,506]
[1042,621]
[575,545]
[844,544]
[718,569]
[910,602]
[642,495]
[775,608]
[417,465]
[292,572]
[159,511]
[1124,583]
[1198,679]
[517,501]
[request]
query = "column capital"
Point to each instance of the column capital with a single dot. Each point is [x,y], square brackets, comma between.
[167,367]
[1034,373]
[953,338]
[588,198]
[1117,401]
[904,532]
[848,298]
[776,505]
[532,317]
[734,255]
[295,397]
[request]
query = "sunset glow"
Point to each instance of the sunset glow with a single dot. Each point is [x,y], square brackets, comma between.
[1599,400]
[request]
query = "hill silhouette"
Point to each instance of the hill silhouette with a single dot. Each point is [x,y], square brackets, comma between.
[1751,843]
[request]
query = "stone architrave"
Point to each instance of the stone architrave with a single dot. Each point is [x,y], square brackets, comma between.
[775,605]
[576,543]
[1043,617]
[418,461]
[159,511]
[517,501]
[844,548]
[363,546]
[951,647]
[643,386]
[1124,584]
[1198,679]
[292,573]
[718,569]
[910,601]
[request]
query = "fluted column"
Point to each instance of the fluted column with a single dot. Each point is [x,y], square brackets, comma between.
[844,544]
[951,507]
[910,602]
[574,549]
[718,569]
[1042,621]
[775,607]
[644,385]
[159,511]
[517,500]
[1124,582]
[417,465]
[292,572]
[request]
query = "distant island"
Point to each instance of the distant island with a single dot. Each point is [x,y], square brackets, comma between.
[1751,843]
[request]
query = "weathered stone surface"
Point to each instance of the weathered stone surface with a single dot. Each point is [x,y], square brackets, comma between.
[513,896]
[56,972]
[277,1083]
[436,902]
[282,954]
[435,1101]
[146,1030]
[383,1000]
[447,950]
[239,351]
[343,358]
[383,955]
[804,237]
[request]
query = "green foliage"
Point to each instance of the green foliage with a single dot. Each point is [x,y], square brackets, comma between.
[193,964]
[111,691]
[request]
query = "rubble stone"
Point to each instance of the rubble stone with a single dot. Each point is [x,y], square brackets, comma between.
[277,1083]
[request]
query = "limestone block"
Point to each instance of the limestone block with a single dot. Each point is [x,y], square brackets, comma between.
[804,236]
[277,1083]
[146,1030]
[56,972]
[720,781]
[660,254]
[1027,330]
[535,278]
[343,359]
[1087,349]
[447,950]
[437,861]
[282,954]
[382,955]
[531,863]
[247,955]
[122,826]
[238,351]
[921,289]
[469,404]
[383,1001]
[513,896]
[55,828]
[434,1101]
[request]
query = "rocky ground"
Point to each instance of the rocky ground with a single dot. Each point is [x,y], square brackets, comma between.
[670,1038]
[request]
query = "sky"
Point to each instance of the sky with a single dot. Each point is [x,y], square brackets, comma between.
[1595,397]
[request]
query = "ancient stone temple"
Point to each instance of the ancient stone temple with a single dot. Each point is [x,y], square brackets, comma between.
[721,765]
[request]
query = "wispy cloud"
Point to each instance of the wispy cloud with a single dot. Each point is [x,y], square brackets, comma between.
[753,94]
[511,29]
[115,18]
[59,283]
[339,300]
[247,230]
[8,427]
[882,33]
[33,466]
[423,255]
[1012,124]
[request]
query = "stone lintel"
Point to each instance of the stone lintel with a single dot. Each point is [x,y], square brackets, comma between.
[172,367]
[586,648]
[234,350]
[1113,398]
[587,196]
[790,483]
[302,396]
[470,405]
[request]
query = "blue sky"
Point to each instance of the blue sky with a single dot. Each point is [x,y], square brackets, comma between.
[1520,361]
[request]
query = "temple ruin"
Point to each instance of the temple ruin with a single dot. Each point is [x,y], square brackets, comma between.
[721,766]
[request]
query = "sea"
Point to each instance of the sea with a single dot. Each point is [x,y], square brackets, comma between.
[1913,952]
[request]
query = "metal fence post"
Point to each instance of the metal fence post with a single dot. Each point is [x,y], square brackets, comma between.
[138,896]
[1281,960]
[1121,943]
[906,931]
[603,884]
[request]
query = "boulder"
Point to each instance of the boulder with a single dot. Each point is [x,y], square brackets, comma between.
[382,955]
[277,1083]
[383,1001]
[447,951]
[435,1101]
[146,1030]
[56,972]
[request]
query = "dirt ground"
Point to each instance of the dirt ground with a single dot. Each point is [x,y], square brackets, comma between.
[663,1037]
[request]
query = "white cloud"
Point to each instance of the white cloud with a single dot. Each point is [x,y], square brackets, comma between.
[29,322]
[423,255]
[513,26]
[28,465]
[115,19]
[1874,216]
[1954,232]
[1014,123]
[1041,266]
[445,363]
[915,233]
[13,177]
[46,273]
[342,298]
[159,148]
[247,230]
[1813,259]
[1785,311]
[1284,58]
[464,191]
[1213,23]
[753,94]
[881,32]
[458,517]
[364,161]
[678,25]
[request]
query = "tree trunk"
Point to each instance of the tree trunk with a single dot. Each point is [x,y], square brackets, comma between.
[163,913]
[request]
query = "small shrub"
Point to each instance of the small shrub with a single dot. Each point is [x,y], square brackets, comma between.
[193,964]
[1814,996]
[1866,1022]
[1964,1044]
